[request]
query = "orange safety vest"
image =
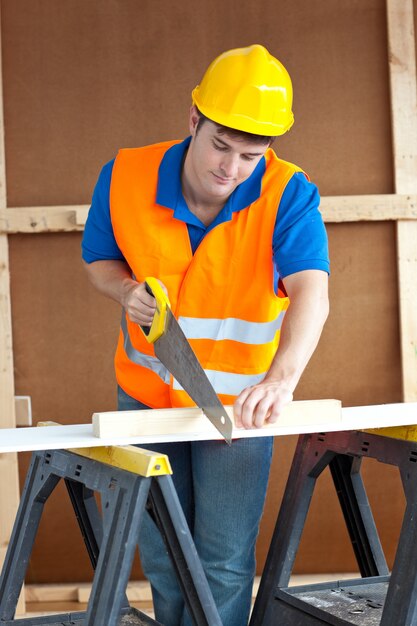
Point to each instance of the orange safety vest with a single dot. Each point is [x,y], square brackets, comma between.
[222,296]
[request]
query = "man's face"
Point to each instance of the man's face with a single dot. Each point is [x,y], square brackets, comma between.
[218,163]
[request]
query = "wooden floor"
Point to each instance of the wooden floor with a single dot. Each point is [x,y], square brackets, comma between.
[49,599]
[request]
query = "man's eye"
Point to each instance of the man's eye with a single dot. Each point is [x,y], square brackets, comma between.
[247,158]
[218,147]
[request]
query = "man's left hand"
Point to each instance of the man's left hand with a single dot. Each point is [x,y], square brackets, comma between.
[261,404]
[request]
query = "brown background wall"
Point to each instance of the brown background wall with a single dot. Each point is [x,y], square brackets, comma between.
[82,79]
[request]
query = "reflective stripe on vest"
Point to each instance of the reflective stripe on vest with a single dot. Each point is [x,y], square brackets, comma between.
[145,360]
[228,383]
[254,333]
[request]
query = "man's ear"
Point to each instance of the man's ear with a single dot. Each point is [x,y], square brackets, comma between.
[193,120]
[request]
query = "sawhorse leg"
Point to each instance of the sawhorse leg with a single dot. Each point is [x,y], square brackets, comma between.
[287,533]
[111,544]
[88,517]
[117,549]
[37,490]
[356,511]
[401,599]
[312,456]
[190,574]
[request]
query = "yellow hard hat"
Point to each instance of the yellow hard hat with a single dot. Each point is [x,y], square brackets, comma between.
[247,89]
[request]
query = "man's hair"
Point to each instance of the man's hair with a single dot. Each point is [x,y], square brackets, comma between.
[232,132]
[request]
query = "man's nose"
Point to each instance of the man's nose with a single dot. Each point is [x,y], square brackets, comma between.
[229,165]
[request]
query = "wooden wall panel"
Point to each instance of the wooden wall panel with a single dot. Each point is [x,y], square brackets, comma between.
[64,331]
[84,78]
[358,357]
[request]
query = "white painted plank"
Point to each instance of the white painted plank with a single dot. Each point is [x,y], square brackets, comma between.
[47,438]
[82,436]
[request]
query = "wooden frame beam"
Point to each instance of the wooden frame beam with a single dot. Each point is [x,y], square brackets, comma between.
[9,492]
[335,209]
[43,219]
[403,85]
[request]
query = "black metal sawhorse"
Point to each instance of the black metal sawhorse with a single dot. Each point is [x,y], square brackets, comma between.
[128,480]
[375,599]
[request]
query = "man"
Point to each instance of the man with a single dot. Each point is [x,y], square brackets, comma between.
[233,233]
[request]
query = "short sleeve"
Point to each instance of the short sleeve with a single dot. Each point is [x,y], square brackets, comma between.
[99,243]
[300,238]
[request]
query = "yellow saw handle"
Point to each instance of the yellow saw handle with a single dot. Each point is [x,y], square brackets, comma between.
[157,328]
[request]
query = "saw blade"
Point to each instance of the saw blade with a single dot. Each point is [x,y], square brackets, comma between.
[174,351]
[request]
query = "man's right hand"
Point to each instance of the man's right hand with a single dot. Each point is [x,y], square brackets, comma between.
[113,279]
[139,304]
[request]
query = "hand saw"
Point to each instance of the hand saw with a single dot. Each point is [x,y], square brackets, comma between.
[173,350]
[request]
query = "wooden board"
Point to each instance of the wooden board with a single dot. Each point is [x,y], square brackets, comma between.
[191,423]
[166,426]
[23,410]
[306,416]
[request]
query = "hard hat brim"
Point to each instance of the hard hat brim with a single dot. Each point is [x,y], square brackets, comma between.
[241,122]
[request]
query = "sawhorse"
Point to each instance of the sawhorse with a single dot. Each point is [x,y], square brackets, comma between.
[128,480]
[376,599]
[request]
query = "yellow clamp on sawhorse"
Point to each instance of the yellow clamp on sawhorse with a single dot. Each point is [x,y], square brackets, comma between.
[406,433]
[130,458]
[130,482]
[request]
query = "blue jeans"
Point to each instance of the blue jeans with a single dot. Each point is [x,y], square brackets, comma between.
[222,491]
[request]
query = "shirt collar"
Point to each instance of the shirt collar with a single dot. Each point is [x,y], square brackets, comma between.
[169,191]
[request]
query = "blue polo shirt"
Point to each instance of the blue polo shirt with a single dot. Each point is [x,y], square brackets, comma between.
[299,241]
